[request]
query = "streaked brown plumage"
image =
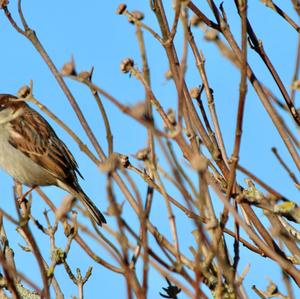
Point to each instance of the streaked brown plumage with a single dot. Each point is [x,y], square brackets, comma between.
[32,153]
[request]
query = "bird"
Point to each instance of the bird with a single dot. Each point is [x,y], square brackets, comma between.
[32,153]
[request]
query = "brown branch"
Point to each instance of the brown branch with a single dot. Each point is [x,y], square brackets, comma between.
[276,8]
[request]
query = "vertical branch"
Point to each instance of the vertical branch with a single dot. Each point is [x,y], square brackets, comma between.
[27,232]
[296,71]
[171,217]
[145,212]
[242,8]
[109,136]
[200,63]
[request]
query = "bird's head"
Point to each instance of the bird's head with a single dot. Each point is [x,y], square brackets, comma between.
[10,107]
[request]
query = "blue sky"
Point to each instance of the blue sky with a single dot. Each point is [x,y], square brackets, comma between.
[96,36]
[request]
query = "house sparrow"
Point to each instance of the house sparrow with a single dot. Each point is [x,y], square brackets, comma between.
[31,152]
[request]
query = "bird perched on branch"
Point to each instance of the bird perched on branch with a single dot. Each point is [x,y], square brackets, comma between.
[32,153]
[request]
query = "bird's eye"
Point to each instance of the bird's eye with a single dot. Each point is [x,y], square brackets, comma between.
[2,106]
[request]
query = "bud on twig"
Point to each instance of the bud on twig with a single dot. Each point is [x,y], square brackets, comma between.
[3,3]
[86,75]
[114,162]
[195,93]
[171,116]
[195,21]
[23,92]
[199,162]
[121,8]
[138,15]
[142,154]
[68,68]
[126,65]
[211,35]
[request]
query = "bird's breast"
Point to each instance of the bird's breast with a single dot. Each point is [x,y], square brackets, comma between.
[21,167]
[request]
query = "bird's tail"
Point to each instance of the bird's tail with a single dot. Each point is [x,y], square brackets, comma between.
[77,192]
[92,209]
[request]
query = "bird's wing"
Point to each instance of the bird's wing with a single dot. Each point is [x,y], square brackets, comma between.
[40,143]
